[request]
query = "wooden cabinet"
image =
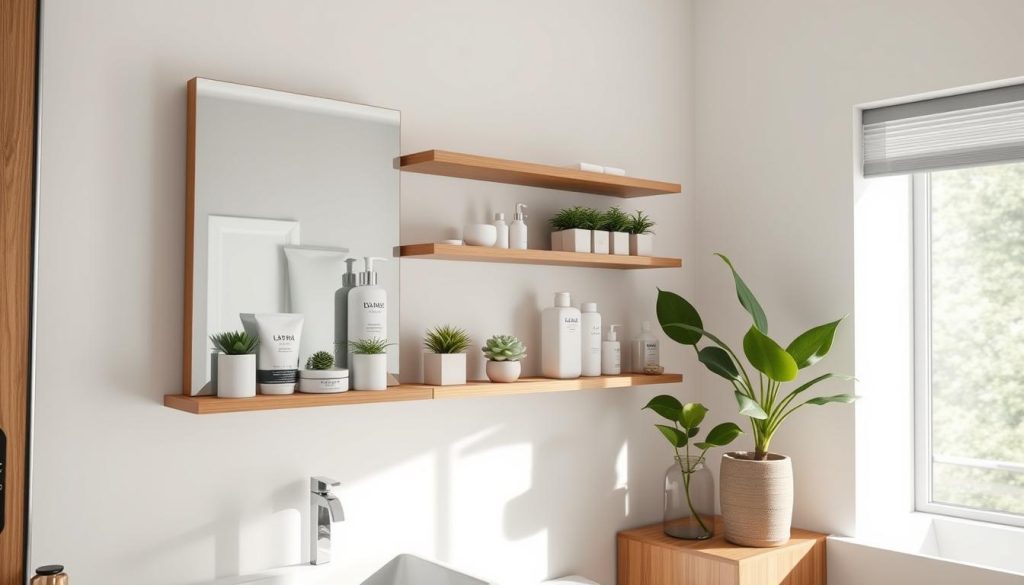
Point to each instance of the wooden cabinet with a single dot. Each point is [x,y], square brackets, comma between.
[648,557]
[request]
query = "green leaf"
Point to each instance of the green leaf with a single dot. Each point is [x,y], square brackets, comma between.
[692,414]
[673,308]
[821,378]
[693,432]
[843,398]
[749,407]
[674,435]
[666,406]
[747,299]
[722,435]
[813,344]
[718,361]
[768,357]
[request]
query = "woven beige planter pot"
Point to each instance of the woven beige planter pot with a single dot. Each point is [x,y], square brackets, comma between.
[757,499]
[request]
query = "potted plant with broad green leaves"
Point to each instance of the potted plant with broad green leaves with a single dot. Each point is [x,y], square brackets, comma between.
[504,354]
[236,364]
[756,487]
[641,238]
[444,364]
[689,487]
[615,222]
[370,364]
[572,227]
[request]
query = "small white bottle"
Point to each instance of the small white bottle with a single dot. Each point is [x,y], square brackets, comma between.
[517,231]
[590,322]
[644,350]
[560,339]
[502,227]
[367,307]
[611,353]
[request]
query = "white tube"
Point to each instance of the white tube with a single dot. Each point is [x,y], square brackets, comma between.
[314,276]
[277,364]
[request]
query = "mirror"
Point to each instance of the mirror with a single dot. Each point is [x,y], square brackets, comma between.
[286,193]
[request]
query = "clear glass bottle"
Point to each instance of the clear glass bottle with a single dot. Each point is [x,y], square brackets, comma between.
[689,500]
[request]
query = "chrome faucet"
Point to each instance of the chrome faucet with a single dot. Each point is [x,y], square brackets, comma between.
[324,508]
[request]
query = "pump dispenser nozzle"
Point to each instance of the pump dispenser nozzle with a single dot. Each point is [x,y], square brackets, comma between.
[349,278]
[369,277]
[520,216]
[612,334]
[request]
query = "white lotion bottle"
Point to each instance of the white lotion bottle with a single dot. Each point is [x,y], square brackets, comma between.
[560,339]
[590,358]
[517,231]
[502,228]
[348,282]
[367,307]
[611,353]
[644,350]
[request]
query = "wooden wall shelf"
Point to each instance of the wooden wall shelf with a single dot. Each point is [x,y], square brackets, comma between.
[482,254]
[214,405]
[498,170]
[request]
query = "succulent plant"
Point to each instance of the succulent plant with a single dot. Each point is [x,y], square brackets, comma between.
[320,360]
[234,342]
[370,346]
[504,348]
[640,223]
[446,339]
[614,220]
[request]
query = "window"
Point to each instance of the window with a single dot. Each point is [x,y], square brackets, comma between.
[969,342]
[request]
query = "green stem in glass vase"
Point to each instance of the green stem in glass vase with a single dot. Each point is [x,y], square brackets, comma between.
[687,471]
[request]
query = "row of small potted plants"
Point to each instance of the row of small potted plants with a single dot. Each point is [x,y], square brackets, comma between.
[584,229]
[444,364]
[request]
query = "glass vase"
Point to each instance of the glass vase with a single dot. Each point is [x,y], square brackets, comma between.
[689,500]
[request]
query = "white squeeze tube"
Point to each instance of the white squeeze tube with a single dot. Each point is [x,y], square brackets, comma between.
[277,357]
[313,278]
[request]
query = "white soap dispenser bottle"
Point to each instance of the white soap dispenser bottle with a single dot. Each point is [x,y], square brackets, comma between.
[645,350]
[348,282]
[517,231]
[367,306]
[502,229]
[560,339]
[611,353]
[590,321]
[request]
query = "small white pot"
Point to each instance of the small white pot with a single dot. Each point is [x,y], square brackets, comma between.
[480,234]
[619,243]
[369,371]
[576,240]
[444,369]
[641,244]
[323,381]
[503,371]
[599,241]
[556,241]
[236,375]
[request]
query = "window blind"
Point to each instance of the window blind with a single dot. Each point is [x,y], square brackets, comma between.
[971,129]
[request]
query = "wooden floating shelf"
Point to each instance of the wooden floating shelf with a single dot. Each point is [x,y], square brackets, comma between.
[481,254]
[498,170]
[405,392]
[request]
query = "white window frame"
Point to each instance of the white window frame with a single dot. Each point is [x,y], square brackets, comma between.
[920,185]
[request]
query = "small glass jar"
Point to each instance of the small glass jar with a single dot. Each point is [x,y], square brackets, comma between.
[689,500]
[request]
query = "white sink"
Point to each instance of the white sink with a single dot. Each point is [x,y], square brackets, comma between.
[412,570]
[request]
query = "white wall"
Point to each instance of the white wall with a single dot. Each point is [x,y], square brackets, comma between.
[776,88]
[514,488]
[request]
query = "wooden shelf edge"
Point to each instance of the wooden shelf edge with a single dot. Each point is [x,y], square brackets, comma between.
[498,170]
[464,253]
[406,392]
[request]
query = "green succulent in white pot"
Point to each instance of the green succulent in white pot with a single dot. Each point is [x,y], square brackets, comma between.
[504,354]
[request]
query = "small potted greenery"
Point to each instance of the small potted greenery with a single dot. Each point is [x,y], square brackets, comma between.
[504,354]
[321,377]
[572,229]
[599,233]
[236,364]
[370,364]
[641,238]
[444,364]
[615,222]
[689,487]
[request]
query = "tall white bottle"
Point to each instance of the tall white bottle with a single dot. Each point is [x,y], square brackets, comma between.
[517,231]
[367,306]
[560,339]
[502,229]
[611,353]
[590,357]
[348,282]
[644,350]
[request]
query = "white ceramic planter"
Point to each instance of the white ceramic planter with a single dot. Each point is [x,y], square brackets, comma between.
[236,375]
[619,243]
[323,381]
[599,241]
[641,244]
[556,241]
[756,499]
[369,371]
[503,371]
[444,369]
[576,240]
